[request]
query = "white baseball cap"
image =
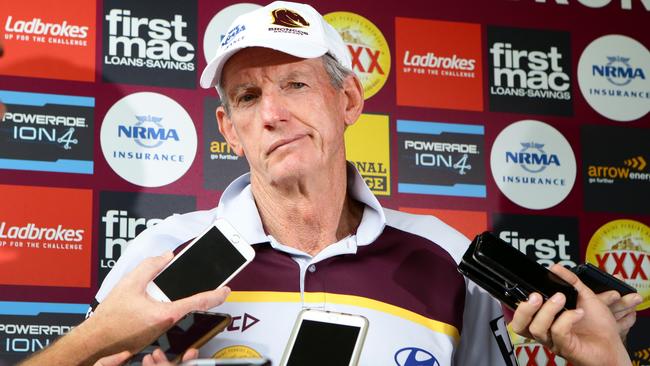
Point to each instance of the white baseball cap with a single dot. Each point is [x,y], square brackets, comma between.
[293,28]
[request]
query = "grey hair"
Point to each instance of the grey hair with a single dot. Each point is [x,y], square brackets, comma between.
[336,72]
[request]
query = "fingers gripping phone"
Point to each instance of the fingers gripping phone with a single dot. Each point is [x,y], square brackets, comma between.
[207,263]
[600,281]
[325,338]
[192,331]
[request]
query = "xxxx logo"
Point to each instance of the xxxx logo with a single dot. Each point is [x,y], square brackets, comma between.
[622,248]
[535,354]
[368,49]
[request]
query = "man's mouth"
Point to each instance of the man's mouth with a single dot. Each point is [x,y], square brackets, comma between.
[282,142]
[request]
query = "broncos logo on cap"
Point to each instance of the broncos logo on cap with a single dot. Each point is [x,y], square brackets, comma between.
[288,18]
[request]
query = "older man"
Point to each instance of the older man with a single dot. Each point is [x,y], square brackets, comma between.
[321,238]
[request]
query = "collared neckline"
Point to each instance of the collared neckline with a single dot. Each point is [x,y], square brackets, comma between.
[237,205]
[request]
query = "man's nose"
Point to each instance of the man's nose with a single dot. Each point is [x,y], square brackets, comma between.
[273,109]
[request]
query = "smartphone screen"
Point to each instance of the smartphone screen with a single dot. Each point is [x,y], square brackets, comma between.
[525,269]
[323,344]
[203,267]
[185,333]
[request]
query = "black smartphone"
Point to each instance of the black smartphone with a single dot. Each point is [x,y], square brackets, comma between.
[509,275]
[193,331]
[600,281]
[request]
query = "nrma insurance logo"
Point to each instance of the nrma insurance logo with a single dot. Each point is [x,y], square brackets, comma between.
[148,132]
[612,74]
[532,157]
[147,149]
[533,164]
[618,71]
[412,356]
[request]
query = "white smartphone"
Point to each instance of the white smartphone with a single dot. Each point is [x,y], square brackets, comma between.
[207,263]
[325,338]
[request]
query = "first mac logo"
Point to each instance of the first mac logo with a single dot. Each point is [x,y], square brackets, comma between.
[150,43]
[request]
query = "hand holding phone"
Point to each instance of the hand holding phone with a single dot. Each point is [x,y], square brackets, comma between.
[207,263]
[509,275]
[192,331]
[325,338]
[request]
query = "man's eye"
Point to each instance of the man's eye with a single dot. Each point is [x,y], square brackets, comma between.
[297,85]
[246,98]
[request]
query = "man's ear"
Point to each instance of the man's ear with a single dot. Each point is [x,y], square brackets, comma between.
[227,129]
[353,91]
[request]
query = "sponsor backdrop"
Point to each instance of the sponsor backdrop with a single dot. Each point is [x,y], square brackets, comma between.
[528,118]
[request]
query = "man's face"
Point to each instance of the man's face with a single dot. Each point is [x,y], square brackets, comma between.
[285,115]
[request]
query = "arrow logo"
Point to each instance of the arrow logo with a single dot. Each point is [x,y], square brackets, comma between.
[643,354]
[637,163]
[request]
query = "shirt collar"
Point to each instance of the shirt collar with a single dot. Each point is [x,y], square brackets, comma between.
[237,205]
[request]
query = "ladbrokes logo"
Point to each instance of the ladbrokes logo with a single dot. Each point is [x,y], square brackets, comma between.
[441,158]
[150,43]
[533,164]
[613,77]
[27,327]
[545,239]
[61,39]
[439,72]
[288,18]
[47,132]
[615,179]
[622,248]
[529,71]
[368,49]
[220,164]
[146,149]
[367,147]
[126,215]
[45,236]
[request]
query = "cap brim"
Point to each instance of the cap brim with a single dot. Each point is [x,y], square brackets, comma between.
[212,73]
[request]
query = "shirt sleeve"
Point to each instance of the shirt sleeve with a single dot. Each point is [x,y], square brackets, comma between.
[484,339]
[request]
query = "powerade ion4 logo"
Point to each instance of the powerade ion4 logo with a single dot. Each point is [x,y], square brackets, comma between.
[529,71]
[150,43]
[441,158]
[412,356]
[28,327]
[368,49]
[148,139]
[533,164]
[613,77]
[622,248]
[47,132]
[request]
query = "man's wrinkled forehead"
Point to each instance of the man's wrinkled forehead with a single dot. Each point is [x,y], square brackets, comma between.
[259,58]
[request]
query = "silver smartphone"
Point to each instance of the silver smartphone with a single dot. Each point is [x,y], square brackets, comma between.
[207,263]
[325,338]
